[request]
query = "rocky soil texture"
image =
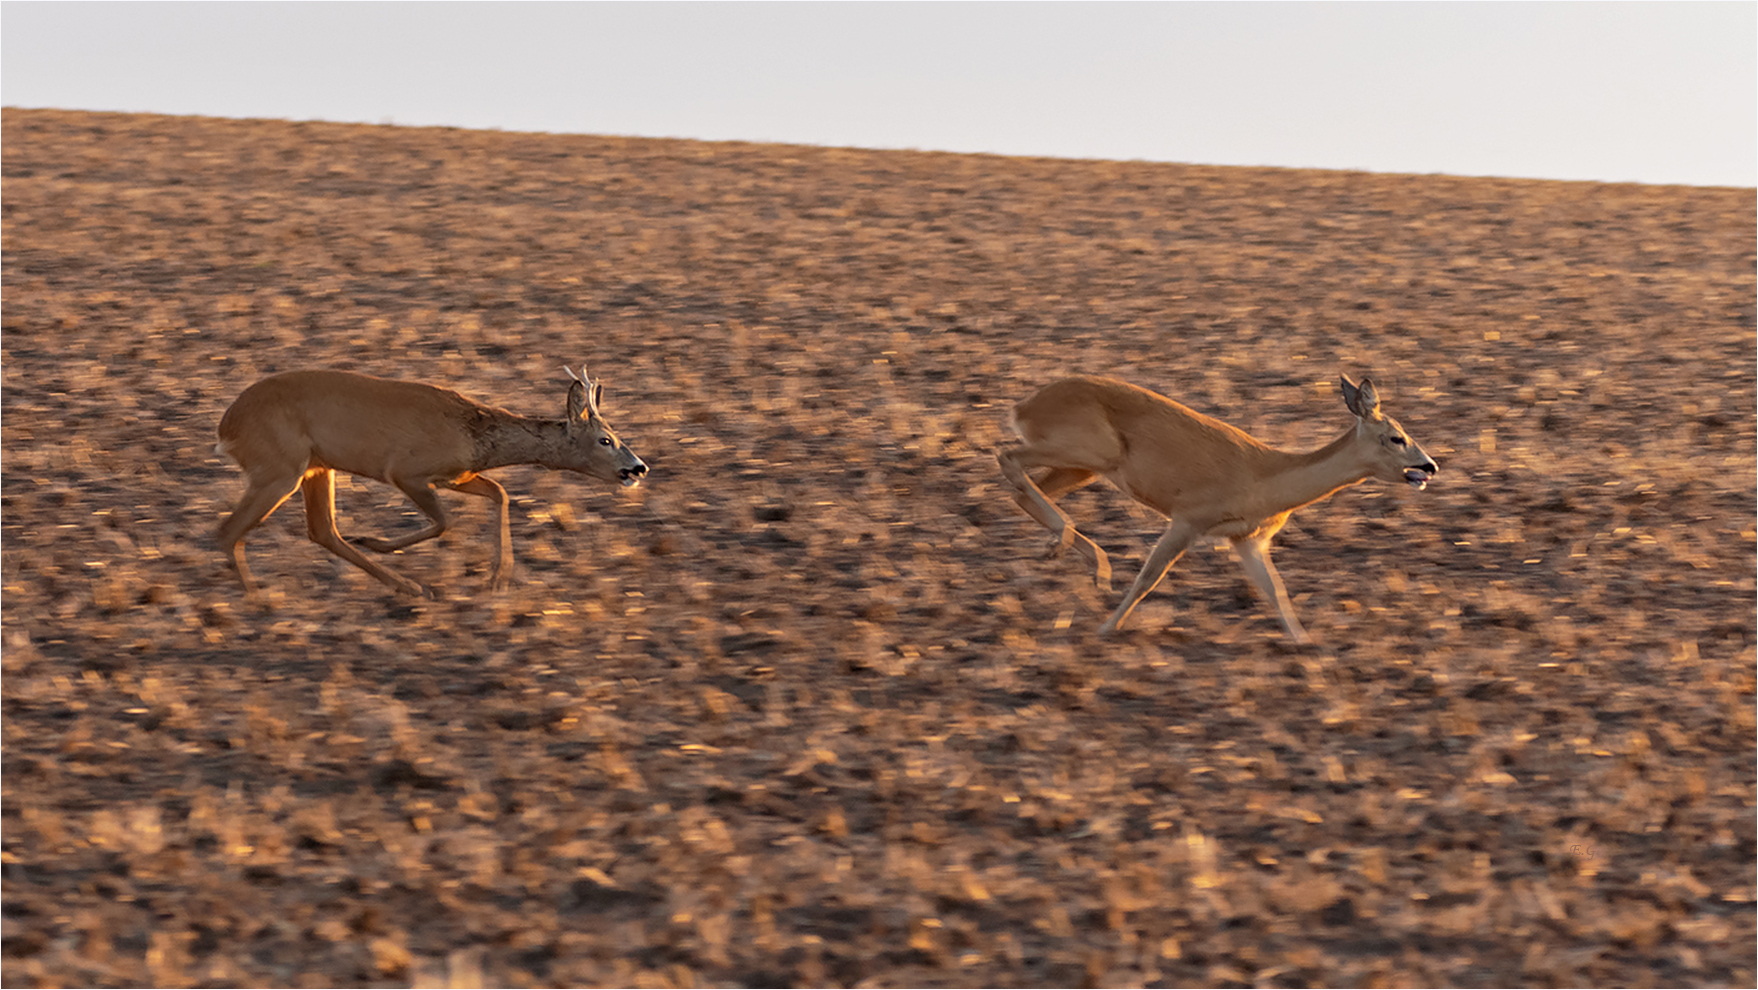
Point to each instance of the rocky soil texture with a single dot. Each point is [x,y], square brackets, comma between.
[811,707]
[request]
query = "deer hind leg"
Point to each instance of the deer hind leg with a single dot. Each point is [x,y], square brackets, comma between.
[1055,483]
[1058,482]
[1014,463]
[1171,545]
[1254,555]
[319,488]
[260,500]
[503,560]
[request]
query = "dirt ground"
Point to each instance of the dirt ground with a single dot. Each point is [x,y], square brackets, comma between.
[811,707]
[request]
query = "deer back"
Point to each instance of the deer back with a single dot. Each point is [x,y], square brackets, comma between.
[372,427]
[1165,454]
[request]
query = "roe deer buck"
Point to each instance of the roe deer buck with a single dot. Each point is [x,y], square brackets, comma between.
[1204,475]
[295,430]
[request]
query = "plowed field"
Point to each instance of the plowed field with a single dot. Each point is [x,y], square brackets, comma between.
[811,706]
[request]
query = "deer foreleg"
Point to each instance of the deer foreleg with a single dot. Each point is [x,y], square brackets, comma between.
[1254,556]
[1166,552]
[503,558]
[425,499]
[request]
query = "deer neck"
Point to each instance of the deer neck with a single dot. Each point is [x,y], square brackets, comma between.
[1301,479]
[506,438]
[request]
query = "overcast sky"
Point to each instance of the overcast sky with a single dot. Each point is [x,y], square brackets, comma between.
[1645,92]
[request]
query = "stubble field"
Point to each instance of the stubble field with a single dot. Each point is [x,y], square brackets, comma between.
[810,707]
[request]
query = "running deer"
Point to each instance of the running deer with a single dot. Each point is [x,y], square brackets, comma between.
[1205,476]
[293,431]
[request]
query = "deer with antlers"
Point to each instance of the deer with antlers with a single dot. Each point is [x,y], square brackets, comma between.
[293,431]
[1205,476]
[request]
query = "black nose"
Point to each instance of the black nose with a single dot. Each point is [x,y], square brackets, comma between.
[633,472]
[1431,467]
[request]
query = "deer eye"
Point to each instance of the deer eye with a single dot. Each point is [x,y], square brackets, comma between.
[605,441]
[1398,441]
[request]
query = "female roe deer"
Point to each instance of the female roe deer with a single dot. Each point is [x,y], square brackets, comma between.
[295,430]
[1204,475]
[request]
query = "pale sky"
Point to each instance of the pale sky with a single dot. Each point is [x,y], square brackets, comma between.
[1645,92]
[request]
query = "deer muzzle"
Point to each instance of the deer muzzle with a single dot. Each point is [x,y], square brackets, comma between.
[1418,476]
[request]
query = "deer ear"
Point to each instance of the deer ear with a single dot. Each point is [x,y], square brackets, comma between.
[1363,400]
[578,407]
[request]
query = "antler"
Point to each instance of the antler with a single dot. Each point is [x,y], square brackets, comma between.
[590,388]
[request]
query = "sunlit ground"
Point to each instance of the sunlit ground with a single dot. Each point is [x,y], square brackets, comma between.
[810,707]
